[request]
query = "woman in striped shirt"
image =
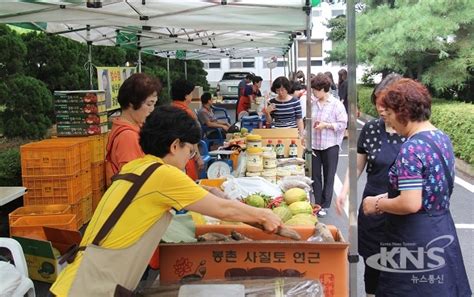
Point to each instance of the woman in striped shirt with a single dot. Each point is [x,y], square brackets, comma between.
[284,111]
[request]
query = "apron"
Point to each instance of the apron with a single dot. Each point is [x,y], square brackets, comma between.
[371,228]
[422,230]
[117,272]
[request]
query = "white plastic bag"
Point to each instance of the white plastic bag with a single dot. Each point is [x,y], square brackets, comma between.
[241,187]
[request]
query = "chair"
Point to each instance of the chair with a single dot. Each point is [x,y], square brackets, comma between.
[206,131]
[224,115]
[26,286]
[206,158]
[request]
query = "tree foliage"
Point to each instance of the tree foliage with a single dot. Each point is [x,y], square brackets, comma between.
[12,52]
[428,40]
[27,101]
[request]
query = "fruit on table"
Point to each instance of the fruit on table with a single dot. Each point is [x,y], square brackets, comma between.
[300,207]
[299,221]
[283,212]
[255,200]
[308,216]
[244,130]
[294,195]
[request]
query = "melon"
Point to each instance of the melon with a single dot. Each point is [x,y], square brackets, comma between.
[283,212]
[295,195]
[300,207]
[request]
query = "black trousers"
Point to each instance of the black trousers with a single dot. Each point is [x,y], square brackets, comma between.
[324,165]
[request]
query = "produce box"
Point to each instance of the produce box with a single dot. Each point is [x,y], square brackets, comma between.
[81,129]
[82,107]
[286,135]
[42,255]
[85,96]
[266,256]
[82,118]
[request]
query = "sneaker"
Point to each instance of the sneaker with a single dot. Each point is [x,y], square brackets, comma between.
[322,213]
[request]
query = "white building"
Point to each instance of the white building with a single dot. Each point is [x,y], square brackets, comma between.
[258,65]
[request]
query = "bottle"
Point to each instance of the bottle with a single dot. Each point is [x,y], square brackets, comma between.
[293,150]
[270,144]
[280,150]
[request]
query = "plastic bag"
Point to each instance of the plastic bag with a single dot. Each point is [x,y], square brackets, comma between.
[241,187]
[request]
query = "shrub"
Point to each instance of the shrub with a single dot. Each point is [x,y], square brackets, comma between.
[363,100]
[457,120]
[27,102]
[10,167]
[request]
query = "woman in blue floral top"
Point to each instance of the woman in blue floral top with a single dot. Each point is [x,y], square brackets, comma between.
[421,255]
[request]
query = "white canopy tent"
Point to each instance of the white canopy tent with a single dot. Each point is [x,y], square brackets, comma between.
[204,29]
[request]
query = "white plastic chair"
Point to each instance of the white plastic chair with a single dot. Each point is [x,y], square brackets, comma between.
[26,286]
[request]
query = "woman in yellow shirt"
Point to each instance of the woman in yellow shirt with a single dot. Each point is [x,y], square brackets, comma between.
[168,137]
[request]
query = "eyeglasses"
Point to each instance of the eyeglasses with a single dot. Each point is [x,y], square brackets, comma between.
[192,150]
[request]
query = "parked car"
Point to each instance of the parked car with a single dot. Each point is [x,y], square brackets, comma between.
[228,86]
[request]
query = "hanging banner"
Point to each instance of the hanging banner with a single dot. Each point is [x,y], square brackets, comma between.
[110,79]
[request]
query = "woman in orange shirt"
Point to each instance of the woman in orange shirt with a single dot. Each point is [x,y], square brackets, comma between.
[137,98]
[181,90]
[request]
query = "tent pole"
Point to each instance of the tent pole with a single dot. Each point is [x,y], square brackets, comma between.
[185,70]
[352,97]
[295,57]
[308,125]
[284,66]
[168,83]
[89,64]
[139,60]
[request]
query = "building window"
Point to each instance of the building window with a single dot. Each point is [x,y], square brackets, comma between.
[337,12]
[282,63]
[316,63]
[316,48]
[212,64]
[248,64]
[242,63]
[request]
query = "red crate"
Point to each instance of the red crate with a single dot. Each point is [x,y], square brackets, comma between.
[44,190]
[32,226]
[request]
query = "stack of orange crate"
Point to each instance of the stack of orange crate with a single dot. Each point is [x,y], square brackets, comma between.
[58,171]
[98,145]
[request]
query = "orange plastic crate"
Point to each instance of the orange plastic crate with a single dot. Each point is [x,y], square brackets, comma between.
[54,189]
[98,175]
[84,149]
[87,209]
[38,210]
[97,147]
[50,157]
[86,180]
[212,182]
[32,226]
[96,196]
[82,210]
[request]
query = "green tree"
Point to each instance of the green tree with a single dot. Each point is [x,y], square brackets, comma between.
[27,101]
[57,61]
[429,40]
[12,52]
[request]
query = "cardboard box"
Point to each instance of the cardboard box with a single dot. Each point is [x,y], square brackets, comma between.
[81,129]
[286,135]
[41,259]
[81,118]
[75,108]
[266,256]
[86,96]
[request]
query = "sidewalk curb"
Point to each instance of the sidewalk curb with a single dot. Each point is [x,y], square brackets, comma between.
[461,165]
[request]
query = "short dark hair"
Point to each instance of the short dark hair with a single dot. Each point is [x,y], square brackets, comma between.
[163,126]
[342,76]
[249,76]
[136,89]
[205,97]
[180,88]
[279,82]
[386,82]
[409,99]
[321,82]
[256,79]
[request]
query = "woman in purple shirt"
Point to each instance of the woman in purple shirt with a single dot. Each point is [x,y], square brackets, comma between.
[421,255]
